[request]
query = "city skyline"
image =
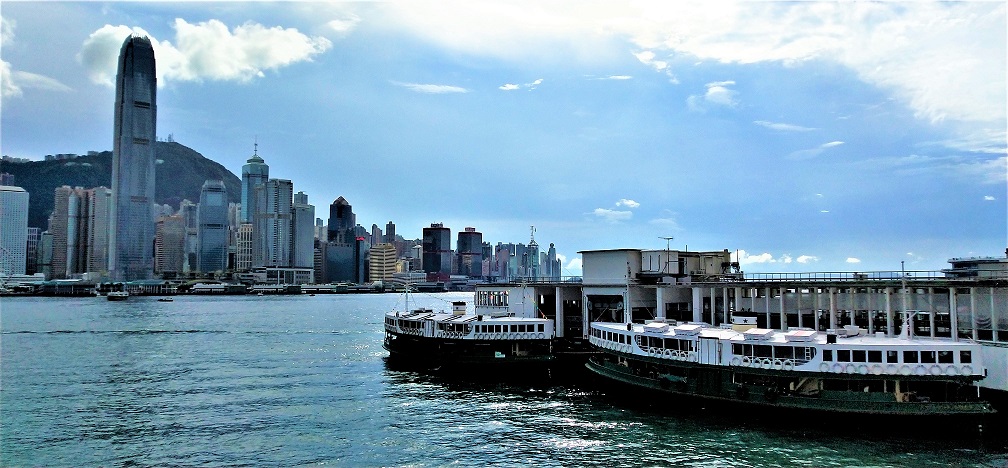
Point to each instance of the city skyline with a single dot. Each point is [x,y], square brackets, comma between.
[868,135]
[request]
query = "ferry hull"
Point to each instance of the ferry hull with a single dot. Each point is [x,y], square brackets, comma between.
[466,353]
[728,385]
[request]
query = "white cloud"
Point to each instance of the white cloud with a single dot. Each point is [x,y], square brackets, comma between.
[573,267]
[431,88]
[8,88]
[619,77]
[745,258]
[206,50]
[853,260]
[783,127]
[344,26]
[717,94]
[513,87]
[509,87]
[807,259]
[13,82]
[813,152]
[989,198]
[977,168]
[6,31]
[627,203]
[612,216]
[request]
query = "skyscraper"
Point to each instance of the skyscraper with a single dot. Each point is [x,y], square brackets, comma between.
[470,253]
[254,173]
[341,222]
[170,245]
[272,228]
[132,232]
[99,224]
[303,237]
[437,249]
[213,227]
[13,230]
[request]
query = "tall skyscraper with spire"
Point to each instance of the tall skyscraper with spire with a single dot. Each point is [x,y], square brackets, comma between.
[254,173]
[131,240]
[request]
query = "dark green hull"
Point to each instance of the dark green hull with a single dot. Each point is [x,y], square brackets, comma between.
[460,353]
[792,390]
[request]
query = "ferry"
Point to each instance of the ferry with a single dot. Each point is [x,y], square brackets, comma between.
[841,371]
[500,335]
[117,295]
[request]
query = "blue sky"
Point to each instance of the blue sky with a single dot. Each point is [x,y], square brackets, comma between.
[804,136]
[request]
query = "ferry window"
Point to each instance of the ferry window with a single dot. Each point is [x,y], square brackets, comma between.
[747,350]
[892,356]
[928,357]
[669,343]
[843,355]
[783,352]
[965,357]
[763,351]
[910,357]
[736,349]
[542,328]
[945,357]
[874,356]
[858,355]
[827,355]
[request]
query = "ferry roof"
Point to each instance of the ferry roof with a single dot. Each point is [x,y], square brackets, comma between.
[780,337]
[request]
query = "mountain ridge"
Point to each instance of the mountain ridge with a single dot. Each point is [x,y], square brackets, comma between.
[179,175]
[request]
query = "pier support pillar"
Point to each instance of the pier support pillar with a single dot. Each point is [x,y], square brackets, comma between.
[932,312]
[832,308]
[660,301]
[888,312]
[954,313]
[697,304]
[559,322]
[973,317]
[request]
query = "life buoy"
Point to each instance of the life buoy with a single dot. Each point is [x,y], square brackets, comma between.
[951,370]
[850,369]
[936,369]
[876,369]
[920,370]
[767,363]
[967,370]
[667,353]
[862,369]
[541,336]
[892,369]
[735,361]
[788,364]
[905,370]
[746,361]
[498,336]
[778,364]
[837,367]
[824,367]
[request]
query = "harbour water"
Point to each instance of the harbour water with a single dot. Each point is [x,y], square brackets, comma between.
[295,380]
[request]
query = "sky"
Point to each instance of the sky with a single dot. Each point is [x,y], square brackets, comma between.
[802,136]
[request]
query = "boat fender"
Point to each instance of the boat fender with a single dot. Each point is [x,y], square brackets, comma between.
[788,365]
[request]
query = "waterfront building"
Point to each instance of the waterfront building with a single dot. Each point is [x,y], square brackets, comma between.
[376,235]
[254,172]
[213,228]
[44,255]
[99,222]
[341,222]
[133,160]
[13,230]
[169,246]
[470,253]
[303,237]
[243,247]
[271,231]
[31,254]
[437,249]
[58,228]
[190,214]
[382,262]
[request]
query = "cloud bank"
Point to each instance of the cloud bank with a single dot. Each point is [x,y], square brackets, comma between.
[206,50]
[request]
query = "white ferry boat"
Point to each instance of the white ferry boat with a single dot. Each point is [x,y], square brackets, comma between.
[495,334]
[843,371]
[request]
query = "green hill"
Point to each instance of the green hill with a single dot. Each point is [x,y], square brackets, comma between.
[179,175]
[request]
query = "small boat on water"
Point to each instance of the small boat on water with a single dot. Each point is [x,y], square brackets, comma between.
[117,295]
[166,299]
[842,371]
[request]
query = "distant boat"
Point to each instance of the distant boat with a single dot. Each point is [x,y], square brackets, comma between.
[117,296]
[166,299]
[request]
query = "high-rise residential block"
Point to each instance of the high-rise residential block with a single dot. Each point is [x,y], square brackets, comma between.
[134,135]
[382,262]
[272,228]
[303,235]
